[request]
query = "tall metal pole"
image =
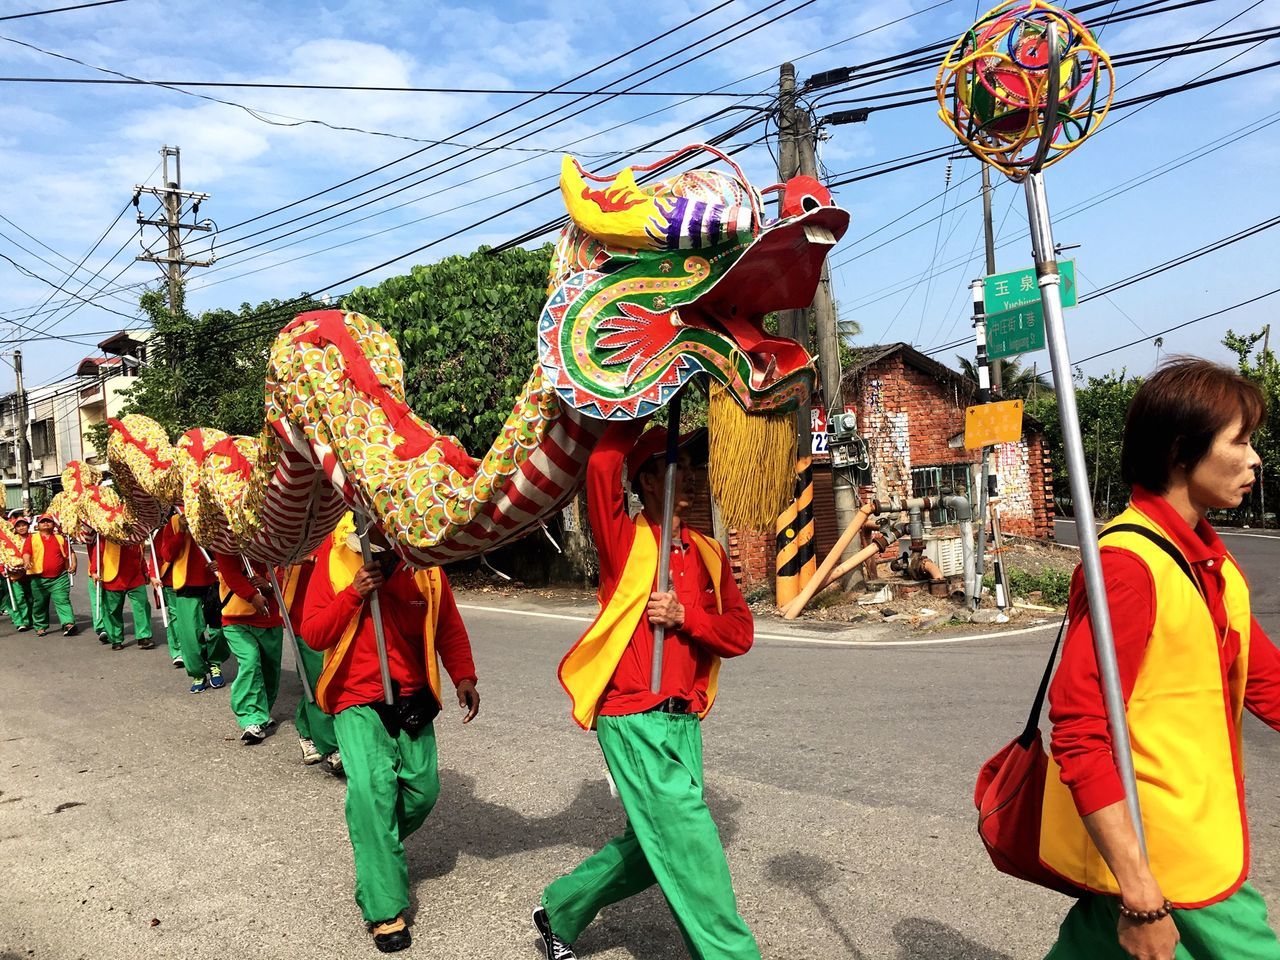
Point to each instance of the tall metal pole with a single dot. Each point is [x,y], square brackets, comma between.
[984,396]
[24,451]
[155,562]
[293,637]
[375,611]
[1077,473]
[997,380]
[664,540]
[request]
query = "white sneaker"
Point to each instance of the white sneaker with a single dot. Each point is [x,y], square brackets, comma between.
[253,734]
[310,754]
[334,762]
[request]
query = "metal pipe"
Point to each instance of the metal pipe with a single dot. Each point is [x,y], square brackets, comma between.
[819,579]
[1077,474]
[97,584]
[375,611]
[668,527]
[963,510]
[155,562]
[293,637]
[879,544]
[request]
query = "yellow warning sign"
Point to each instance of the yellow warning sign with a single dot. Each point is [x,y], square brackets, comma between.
[990,423]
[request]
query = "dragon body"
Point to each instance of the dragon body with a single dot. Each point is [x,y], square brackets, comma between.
[648,286]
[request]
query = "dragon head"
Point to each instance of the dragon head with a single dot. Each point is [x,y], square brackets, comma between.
[650,285]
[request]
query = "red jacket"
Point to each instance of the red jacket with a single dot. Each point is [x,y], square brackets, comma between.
[1081,741]
[359,679]
[131,570]
[705,632]
[231,573]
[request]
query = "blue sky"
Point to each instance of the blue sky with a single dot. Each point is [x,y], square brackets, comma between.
[72,154]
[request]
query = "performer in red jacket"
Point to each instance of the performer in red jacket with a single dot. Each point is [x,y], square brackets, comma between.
[252,627]
[315,727]
[388,750]
[186,574]
[651,741]
[123,576]
[50,563]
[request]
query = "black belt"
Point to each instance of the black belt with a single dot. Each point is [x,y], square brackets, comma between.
[670,705]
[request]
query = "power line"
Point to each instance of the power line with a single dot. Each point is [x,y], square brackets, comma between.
[349,88]
[78,6]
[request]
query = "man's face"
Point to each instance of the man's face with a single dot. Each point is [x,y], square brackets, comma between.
[653,486]
[45,525]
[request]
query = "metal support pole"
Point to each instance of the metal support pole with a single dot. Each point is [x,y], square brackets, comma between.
[155,562]
[668,524]
[293,637]
[375,611]
[97,584]
[1077,474]
[984,395]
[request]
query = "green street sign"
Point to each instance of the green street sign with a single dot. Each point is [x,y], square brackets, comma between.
[1015,316]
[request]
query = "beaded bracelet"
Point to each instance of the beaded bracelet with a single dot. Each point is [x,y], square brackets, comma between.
[1146,916]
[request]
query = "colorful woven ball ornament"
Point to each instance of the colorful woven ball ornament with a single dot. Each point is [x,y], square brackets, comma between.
[997,95]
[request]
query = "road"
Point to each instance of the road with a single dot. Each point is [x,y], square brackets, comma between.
[134,825]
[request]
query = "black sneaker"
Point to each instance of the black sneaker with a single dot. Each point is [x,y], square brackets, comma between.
[392,935]
[102,637]
[117,646]
[553,946]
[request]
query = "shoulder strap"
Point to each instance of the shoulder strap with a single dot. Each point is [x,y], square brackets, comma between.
[1164,544]
[1033,722]
[1032,729]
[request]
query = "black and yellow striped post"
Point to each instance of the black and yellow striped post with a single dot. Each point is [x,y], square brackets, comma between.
[796,561]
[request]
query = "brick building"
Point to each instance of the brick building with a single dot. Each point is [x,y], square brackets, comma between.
[910,411]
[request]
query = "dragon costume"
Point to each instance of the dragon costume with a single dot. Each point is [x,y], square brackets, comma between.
[649,285]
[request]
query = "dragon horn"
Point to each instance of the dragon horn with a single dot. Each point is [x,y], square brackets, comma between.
[619,214]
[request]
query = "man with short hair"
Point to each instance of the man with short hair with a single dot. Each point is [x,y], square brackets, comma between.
[50,562]
[652,741]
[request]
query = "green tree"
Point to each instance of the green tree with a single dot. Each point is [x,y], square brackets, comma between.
[1102,403]
[1018,382]
[467,329]
[207,370]
[1257,362]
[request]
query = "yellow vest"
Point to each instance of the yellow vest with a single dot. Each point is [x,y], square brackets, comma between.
[37,550]
[342,567]
[588,667]
[1183,726]
[178,569]
[233,605]
[110,560]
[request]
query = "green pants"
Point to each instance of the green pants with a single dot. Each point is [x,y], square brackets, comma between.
[257,653]
[95,608]
[313,723]
[57,589]
[1235,929]
[113,613]
[670,839]
[20,610]
[216,641]
[186,622]
[171,631]
[392,784]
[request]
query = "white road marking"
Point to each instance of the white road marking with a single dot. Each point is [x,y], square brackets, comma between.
[1221,533]
[790,638]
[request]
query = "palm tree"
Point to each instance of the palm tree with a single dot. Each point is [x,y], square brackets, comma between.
[1017,381]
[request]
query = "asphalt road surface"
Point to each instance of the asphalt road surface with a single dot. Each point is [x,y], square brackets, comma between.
[133,823]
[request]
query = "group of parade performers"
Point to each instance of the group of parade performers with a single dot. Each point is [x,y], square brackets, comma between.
[1191,659]
[221,605]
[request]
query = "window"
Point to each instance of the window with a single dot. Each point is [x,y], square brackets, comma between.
[42,440]
[932,481]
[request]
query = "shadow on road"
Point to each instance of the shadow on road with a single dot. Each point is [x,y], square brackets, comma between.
[809,876]
[466,823]
[923,939]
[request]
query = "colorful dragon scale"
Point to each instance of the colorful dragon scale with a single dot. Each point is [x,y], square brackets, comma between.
[676,287]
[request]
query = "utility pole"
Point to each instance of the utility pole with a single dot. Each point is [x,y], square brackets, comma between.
[795,547]
[24,451]
[172,197]
[827,331]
